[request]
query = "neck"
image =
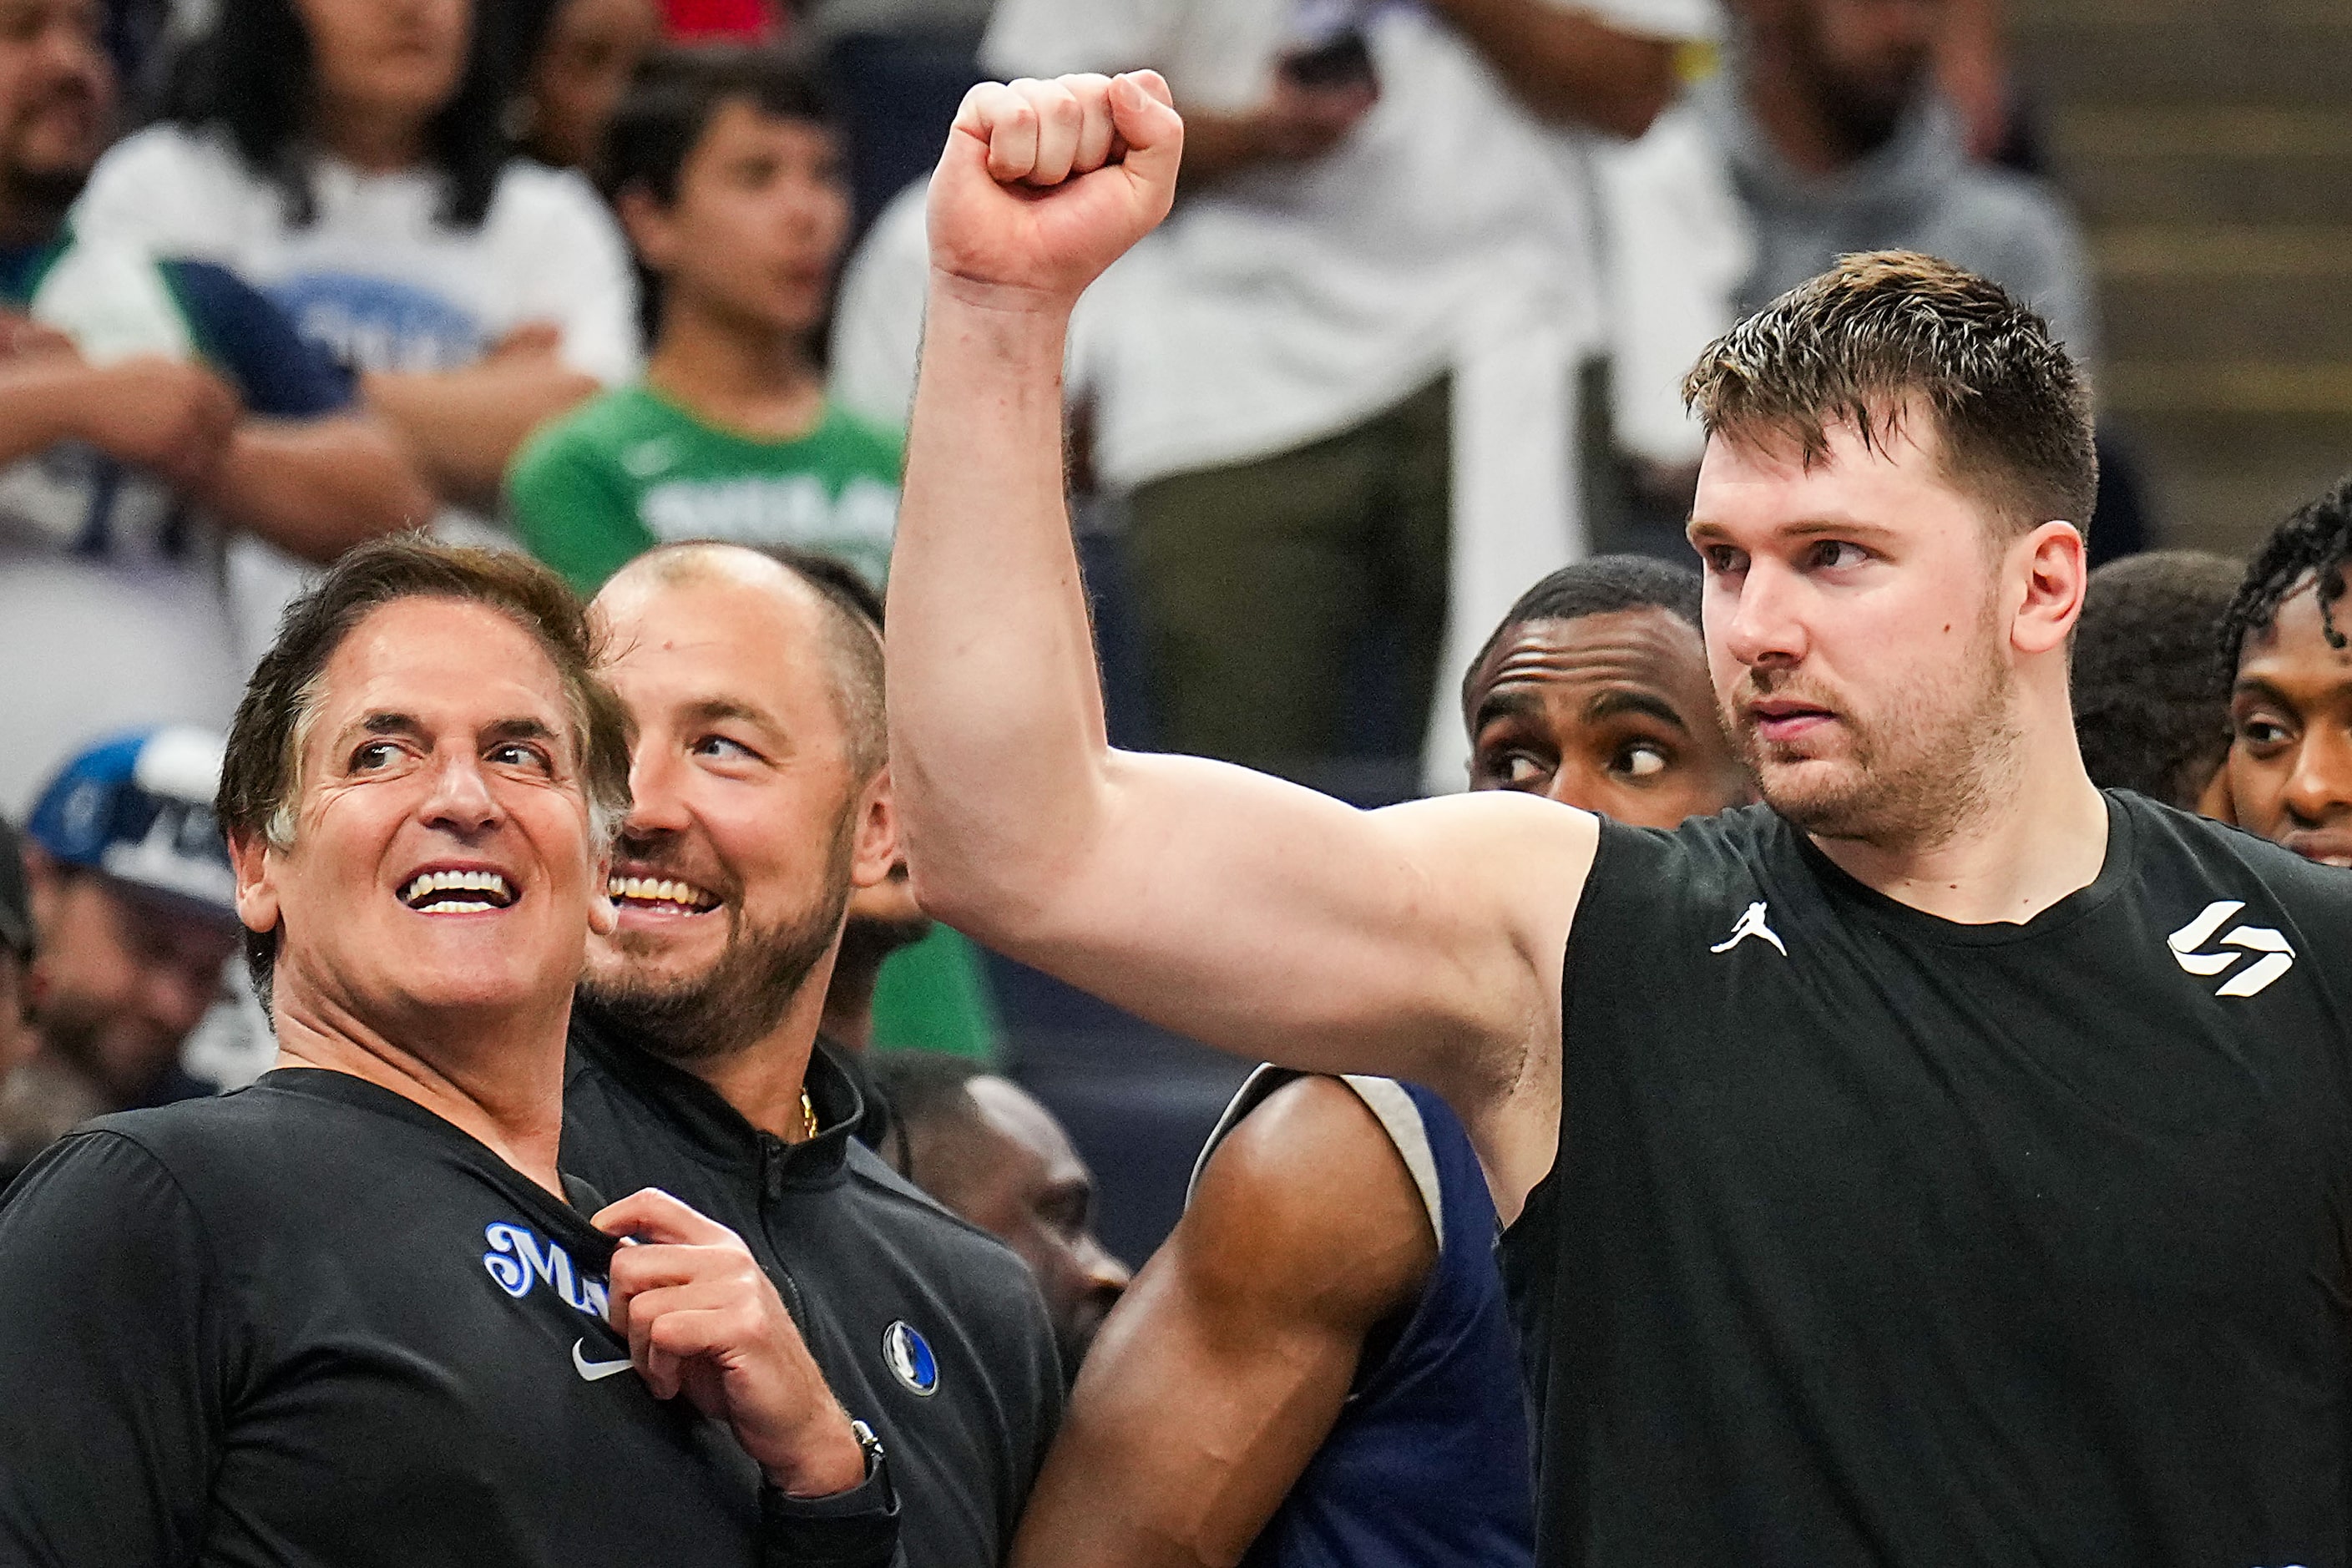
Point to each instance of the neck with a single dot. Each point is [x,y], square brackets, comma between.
[373,143]
[764,1080]
[498,1078]
[1792,119]
[2031,839]
[848,1018]
[740,377]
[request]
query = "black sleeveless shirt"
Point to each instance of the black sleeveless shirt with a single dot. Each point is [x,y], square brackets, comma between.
[1875,1239]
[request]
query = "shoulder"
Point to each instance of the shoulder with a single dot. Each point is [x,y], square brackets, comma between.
[1308,1198]
[532,198]
[1697,862]
[987,1290]
[2218,858]
[171,151]
[590,433]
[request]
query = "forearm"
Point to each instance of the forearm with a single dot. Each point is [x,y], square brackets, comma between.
[997,737]
[37,400]
[464,426]
[1569,66]
[317,488]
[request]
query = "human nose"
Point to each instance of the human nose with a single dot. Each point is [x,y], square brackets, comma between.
[2320,787]
[1104,1274]
[1764,628]
[656,800]
[462,800]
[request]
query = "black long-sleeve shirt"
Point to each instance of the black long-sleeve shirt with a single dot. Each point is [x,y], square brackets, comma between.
[313,1324]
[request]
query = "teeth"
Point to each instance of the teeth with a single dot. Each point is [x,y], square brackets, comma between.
[431,882]
[659,891]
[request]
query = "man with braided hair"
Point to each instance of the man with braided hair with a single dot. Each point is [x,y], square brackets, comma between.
[1942,1162]
[2289,639]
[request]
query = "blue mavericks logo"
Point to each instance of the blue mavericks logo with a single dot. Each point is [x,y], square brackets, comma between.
[909,1357]
[518,1256]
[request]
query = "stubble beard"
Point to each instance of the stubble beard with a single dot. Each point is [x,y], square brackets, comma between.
[744,994]
[1911,780]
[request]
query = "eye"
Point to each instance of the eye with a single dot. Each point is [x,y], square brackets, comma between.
[724,749]
[2262,732]
[374,754]
[519,754]
[1834,554]
[1722,559]
[1641,760]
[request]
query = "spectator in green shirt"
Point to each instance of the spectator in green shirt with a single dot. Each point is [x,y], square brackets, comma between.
[726,172]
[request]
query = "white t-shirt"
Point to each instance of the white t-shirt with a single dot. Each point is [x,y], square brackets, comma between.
[380,277]
[1292,301]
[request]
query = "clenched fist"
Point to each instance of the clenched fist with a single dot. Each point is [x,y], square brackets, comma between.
[1044,184]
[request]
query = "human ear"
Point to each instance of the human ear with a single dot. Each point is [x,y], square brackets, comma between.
[650,229]
[2056,568]
[876,848]
[603,916]
[249,855]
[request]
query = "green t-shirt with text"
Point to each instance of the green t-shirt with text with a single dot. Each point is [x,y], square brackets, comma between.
[631,469]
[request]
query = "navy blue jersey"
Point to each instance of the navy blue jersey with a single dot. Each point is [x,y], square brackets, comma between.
[1877,1238]
[1427,1465]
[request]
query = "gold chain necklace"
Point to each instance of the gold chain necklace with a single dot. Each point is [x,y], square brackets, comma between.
[808,1114]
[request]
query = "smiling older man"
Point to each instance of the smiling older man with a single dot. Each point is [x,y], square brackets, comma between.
[355,1314]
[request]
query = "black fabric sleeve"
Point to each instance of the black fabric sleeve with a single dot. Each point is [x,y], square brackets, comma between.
[244,334]
[112,1412]
[856,1529]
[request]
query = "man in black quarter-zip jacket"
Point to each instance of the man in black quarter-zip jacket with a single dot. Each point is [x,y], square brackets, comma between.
[759,801]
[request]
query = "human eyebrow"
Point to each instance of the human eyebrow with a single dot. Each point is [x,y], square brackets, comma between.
[518,729]
[1503,702]
[390,725]
[719,710]
[1611,703]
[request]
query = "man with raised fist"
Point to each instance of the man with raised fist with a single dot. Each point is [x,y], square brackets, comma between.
[1941,1162]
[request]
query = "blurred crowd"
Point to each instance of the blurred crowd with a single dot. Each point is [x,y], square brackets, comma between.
[1389,410]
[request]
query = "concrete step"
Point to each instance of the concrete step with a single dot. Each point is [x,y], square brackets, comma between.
[2213,165]
[2185,53]
[2221,478]
[2277,295]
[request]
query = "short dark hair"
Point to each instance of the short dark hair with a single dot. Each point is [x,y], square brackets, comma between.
[1599,586]
[255,77]
[1880,334]
[2151,709]
[2314,544]
[261,772]
[676,93]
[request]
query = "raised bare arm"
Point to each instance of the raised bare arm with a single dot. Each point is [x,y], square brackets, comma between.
[1424,942]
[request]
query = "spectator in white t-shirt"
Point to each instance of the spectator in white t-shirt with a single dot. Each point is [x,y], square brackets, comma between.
[1337,382]
[347,156]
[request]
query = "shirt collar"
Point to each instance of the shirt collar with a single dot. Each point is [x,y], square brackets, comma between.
[701,1115]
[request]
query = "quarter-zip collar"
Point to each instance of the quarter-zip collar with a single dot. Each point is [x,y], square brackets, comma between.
[715,1131]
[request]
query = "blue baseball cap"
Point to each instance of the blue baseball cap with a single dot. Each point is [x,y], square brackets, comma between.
[139,808]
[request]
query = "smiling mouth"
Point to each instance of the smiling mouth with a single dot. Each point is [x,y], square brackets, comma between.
[457,892]
[660,895]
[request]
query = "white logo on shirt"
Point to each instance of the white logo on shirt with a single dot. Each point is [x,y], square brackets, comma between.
[1751,925]
[2277,955]
[592,1371]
